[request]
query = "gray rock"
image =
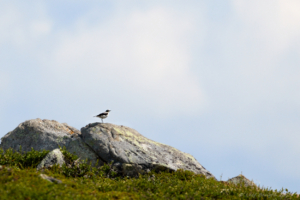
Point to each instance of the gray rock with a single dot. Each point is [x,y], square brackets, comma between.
[52,158]
[134,152]
[50,179]
[240,179]
[48,135]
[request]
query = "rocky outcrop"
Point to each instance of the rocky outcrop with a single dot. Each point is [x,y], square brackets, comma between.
[52,158]
[240,179]
[131,152]
[127,152]
[48,135]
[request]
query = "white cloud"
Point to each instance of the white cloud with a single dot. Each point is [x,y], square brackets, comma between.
[143,54]
[254,59]
[274,23]
[21,27]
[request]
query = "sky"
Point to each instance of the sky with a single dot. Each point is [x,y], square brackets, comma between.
[218,79]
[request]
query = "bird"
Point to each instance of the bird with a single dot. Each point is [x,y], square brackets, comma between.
[103,115]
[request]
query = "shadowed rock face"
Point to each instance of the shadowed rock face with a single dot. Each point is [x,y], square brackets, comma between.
[47,135]
[125,146]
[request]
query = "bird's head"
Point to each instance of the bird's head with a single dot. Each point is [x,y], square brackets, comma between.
[107,111]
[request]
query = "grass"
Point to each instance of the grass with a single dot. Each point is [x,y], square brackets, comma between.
[19,179]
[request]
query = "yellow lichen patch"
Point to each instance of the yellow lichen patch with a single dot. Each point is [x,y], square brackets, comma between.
[119,131]
[68,130]
[128,136]
[190,156]
[134,138]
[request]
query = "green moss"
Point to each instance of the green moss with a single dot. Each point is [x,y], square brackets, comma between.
[25,183]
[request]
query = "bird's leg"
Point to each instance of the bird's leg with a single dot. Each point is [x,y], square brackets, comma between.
[102,121]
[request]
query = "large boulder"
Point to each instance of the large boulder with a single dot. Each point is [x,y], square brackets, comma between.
[127,149]
[48,135]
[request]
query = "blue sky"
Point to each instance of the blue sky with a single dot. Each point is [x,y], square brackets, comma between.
[216,79]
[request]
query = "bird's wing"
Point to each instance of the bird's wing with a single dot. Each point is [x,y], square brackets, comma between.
[102,114]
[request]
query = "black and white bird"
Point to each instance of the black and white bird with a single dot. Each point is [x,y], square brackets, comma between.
[103,115]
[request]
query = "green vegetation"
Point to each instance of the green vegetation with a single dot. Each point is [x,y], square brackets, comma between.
[21,159]
[19,179]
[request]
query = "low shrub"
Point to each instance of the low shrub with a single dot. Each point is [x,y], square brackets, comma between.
[22,159]
[86,182]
